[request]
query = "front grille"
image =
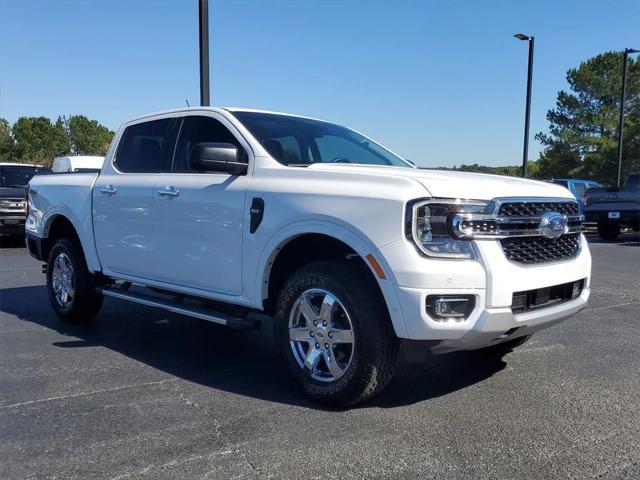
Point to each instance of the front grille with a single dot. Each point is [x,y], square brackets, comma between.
[535,209]
[533,250]
[11,204]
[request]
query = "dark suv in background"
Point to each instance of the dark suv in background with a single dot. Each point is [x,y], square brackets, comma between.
[14,178]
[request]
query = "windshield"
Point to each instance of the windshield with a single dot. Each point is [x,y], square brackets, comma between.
[16,176]
[301,141]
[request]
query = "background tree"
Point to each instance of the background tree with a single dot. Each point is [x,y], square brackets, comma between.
[583,131]
[87,137]
[6,141]
[38,140]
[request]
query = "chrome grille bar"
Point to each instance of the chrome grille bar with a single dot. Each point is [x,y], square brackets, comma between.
[495,226]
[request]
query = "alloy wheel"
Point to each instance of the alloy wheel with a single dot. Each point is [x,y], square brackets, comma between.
[321,335]
[62,280]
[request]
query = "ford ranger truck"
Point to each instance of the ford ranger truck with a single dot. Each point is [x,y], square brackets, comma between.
[221,214]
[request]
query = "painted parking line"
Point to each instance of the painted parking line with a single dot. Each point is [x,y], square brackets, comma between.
[608,306]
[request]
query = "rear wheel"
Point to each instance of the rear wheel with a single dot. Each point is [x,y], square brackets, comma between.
[70,285]
[608,230]
[335,333]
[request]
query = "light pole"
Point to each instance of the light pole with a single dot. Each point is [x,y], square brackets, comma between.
[527,114]
[203,11]
[625,58]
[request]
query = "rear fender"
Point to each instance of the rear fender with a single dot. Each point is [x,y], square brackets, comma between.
[84,230]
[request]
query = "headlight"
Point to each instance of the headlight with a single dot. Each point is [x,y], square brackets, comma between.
[431,223]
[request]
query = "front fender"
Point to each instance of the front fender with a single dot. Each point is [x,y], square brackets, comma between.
[345,233]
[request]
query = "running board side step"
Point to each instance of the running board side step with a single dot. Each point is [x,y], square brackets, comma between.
[176,307]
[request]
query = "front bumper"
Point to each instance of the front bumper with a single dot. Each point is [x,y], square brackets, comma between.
[12,224]
[496,325]
[492,280]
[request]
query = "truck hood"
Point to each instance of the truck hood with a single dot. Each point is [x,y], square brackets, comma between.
[450,184]
[13,192]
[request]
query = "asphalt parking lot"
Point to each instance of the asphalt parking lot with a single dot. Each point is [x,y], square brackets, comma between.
[141,393]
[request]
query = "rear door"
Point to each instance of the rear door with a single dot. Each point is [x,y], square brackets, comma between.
[200,215]
[124,220]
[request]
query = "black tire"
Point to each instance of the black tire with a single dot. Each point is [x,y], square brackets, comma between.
[86,301]
[608,231]
[375,345]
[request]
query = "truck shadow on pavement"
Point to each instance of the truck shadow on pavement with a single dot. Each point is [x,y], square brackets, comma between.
[240,362]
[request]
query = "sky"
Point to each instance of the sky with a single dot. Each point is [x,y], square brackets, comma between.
[439,82]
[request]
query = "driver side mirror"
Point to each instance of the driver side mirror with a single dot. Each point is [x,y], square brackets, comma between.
[217,157]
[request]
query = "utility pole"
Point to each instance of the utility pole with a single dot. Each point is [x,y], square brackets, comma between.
[203,9]
[625,59]
[527,114]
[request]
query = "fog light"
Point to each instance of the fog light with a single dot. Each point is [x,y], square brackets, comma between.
[450,306]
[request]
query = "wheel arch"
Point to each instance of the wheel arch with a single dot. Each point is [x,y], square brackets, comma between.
[297,245]
[59,226]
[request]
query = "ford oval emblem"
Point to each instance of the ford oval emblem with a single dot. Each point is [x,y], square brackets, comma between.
[553,225]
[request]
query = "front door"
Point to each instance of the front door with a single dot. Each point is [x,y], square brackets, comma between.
[200,216]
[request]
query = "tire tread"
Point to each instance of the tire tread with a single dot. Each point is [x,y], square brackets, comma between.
[379,354]
[87,301]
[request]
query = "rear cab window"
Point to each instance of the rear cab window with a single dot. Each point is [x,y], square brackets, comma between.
[145,147]
[633,182]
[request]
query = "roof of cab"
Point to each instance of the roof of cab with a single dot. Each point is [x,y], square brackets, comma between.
[215,109]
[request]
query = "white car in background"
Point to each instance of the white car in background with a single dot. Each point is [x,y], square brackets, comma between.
[78,163]
[221,213]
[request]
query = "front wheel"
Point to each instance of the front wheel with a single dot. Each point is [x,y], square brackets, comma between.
[71,287]
[335,333]
[608,231]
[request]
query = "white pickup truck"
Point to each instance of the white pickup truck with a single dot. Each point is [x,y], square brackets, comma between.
[355,252]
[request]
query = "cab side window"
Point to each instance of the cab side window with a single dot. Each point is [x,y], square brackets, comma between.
[200,129]
[144,147]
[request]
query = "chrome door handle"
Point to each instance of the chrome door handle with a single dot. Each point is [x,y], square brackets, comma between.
[108,190]
[169,191]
